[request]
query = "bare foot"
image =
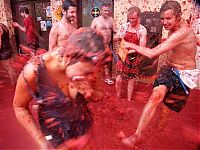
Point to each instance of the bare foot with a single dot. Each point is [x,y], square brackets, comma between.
[121,135]
[129,100]
[131,141]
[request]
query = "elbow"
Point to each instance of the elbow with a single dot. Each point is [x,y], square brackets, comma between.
[18,109]
[151,56]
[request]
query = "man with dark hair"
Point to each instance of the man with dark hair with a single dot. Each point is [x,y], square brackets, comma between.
[105,24]
[28,28]
[173,84]
[62,30]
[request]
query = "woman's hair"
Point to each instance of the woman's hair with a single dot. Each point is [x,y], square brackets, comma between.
[173,5]
[84,42]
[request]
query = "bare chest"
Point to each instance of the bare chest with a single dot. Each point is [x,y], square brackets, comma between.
[102,25]
[65,32]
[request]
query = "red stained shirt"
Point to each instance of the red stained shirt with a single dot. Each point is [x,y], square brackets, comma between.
[31,37]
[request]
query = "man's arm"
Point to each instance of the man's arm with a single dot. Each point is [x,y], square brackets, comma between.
[114,27]
[174,39]
[94,24]
[16,25]
[53,37]
[120,33]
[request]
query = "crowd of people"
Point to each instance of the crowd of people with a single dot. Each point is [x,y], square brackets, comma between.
[65,79]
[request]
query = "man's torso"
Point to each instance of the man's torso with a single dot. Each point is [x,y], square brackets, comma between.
[64,32]
[106,27]
[183,55]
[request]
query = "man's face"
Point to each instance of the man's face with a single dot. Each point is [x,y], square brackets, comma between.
[71,14]
[22,14]
[105,11]
[169,20]
[133,18]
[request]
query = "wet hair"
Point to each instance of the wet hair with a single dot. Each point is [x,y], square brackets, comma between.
[134,9]
[84,43]
[66,4]
[105,5]
[24,9]
[173,5]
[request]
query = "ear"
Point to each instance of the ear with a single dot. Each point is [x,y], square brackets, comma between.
[63,12]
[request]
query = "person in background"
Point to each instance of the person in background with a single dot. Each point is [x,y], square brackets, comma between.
[105,24]
[6,53]
[132,32]
[61,31]
[29,29]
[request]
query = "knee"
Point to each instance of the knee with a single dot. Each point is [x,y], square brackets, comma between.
[118,78]
[156,97]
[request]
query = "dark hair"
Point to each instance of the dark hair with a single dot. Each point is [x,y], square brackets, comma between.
[197,2]
[174,5]
[66,4]
[105,5]
[84,42]
[24,9]
[134,9]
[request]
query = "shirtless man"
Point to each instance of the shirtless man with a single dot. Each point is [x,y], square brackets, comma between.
[61,30]
[105,24]
[171,86]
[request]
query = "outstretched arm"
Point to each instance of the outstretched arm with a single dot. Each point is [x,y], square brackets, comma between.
[21,102]
[94,24]
[53,37]
[17,25]
[174,39]
[120,33]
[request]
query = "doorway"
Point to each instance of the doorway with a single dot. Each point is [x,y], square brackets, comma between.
[40,12]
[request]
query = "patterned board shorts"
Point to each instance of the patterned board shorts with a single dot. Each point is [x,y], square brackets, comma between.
[176,96]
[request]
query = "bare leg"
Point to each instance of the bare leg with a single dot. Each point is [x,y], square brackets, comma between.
[164,117]
[147,114]
[131,84]
[118,85]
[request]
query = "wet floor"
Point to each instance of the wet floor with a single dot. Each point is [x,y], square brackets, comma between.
[110,117]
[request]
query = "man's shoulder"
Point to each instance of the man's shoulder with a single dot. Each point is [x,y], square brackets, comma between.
[143,28]
[96,19]
[183,30]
